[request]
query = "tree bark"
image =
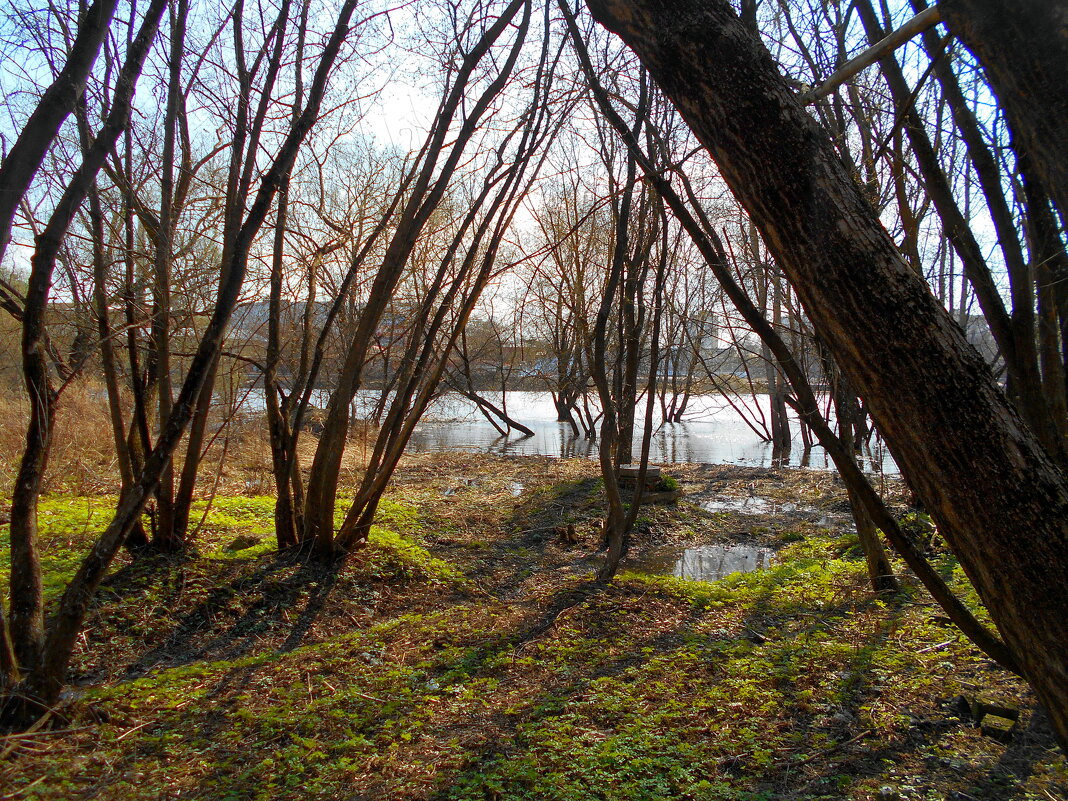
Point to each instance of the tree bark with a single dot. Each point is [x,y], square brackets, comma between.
[56,105]
[1023,47]
[981,473]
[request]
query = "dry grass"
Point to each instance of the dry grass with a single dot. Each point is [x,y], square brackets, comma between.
[83,461]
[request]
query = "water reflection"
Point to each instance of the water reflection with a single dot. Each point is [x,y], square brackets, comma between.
[707,562]
[717,434]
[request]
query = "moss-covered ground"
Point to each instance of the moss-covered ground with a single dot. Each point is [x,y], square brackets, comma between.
[465,654]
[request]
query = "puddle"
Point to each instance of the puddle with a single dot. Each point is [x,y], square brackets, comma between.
[516,488]
[757,505]
[760,505]
[707,562]
[752,504]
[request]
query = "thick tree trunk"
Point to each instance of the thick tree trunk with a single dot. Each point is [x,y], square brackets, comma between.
[1023,47]
[704,237]
[980,472]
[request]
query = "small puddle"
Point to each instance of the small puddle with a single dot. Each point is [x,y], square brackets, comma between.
[707,562]
[516,488]
[752,504]
[756,505]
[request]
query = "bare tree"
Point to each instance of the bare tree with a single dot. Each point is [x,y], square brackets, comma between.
[944,417]
[425,194]
[47,672]
[57,103]
[693,219]
[26,612]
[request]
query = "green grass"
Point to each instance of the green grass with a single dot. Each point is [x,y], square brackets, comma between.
[653,688]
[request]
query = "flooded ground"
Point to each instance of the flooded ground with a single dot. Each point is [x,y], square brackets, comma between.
[715,433]
[739,518]
[717,430]
[705,562]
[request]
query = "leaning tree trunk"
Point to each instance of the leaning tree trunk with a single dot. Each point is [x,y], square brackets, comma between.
[980,472]
[1023,47]
[707,241]
[26,154]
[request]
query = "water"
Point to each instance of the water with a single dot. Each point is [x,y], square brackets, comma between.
[760,505]
[714,433]
[756,505]
[706,562]
[753,505]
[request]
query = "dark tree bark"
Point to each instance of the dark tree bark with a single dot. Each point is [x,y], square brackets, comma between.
[56,105]
[1023,47]
[707,241]
[980,472]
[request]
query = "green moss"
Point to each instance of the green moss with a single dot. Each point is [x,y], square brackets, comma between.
[667,484]
[395,555]
[66,528]
[652,688]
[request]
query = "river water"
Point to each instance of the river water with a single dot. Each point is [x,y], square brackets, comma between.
[714,433]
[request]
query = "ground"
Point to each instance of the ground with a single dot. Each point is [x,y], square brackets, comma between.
[465,654]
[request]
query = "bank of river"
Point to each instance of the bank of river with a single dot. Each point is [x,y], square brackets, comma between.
[465,655]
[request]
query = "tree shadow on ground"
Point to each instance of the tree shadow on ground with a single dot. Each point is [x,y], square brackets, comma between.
[274,599]
[532,528]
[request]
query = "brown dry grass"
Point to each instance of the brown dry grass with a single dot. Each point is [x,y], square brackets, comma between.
[83,461]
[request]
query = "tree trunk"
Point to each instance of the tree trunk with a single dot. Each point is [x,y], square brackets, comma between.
[28,151]
[1023,47]
[980,472]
